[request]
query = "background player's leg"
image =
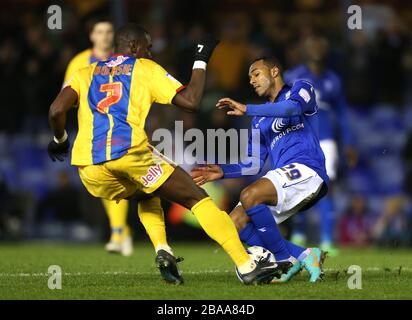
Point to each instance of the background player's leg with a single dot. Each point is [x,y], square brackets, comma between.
[326,205]
[299,229]
[327,221]
[117,214]
[151,215]
[120,240]
[180,188]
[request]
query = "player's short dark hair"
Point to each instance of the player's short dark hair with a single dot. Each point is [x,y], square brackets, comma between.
[129,32]
[270,61]
[91,23]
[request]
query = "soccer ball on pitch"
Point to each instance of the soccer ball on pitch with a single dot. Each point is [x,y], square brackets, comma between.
[257,253]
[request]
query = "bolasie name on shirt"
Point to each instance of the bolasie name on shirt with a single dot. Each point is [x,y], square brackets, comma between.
[114,67]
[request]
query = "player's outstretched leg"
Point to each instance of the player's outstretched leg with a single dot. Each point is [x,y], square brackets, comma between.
[151,215]
[120,240]
[180,188]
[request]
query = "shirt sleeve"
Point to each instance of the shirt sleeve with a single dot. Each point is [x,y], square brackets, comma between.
[74,82]
[304,93]
[80,61]
[302,99]
[164,86]
[69,72]
[282,109]
[257,154]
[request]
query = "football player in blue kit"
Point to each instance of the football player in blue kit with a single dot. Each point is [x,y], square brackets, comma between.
[333,122]
[286,128]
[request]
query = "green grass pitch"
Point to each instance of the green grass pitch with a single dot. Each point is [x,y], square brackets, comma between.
[91,273]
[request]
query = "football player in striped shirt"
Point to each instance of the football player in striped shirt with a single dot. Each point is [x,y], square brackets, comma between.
[101,36]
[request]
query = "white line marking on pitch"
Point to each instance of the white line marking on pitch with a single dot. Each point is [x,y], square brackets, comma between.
[115,273]
[105,273]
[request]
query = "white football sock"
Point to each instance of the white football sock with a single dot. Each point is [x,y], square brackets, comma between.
[165,248]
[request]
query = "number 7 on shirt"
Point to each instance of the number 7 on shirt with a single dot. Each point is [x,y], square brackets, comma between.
[114,94]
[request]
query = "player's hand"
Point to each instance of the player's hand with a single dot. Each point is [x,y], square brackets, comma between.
[205,47]
[237,108]
[58,151]
[209,172]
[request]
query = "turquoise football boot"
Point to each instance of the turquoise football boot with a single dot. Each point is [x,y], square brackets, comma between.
[314,264]
[294,270]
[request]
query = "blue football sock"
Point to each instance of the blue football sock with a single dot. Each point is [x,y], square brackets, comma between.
[294,250]
[327,219]
[268,231]
[250,236]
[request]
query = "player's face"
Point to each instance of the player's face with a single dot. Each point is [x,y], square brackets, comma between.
[316,49]
[102,36]
[261,78]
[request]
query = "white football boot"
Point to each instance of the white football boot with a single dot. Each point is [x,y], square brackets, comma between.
[125,247]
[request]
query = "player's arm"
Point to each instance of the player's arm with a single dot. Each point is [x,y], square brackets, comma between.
[189,98]
[257,154]
[65,100]
[287,108]
[71,68]
[59,146]
[301,100]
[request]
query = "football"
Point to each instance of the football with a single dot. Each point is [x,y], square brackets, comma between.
[257,253]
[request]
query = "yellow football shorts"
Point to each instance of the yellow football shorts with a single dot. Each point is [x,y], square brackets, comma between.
[141,169]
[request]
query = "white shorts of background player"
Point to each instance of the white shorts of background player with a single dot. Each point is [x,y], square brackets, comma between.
[330,150]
